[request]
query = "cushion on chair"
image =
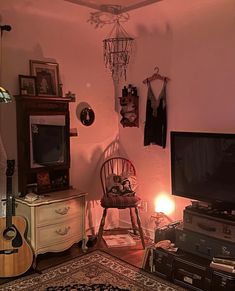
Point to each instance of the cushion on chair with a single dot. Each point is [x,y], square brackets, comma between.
[120,185]
[120,201]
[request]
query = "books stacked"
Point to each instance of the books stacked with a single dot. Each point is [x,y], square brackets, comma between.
[224,264]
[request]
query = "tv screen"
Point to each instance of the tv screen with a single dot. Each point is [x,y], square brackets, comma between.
[203,167]
[48,143]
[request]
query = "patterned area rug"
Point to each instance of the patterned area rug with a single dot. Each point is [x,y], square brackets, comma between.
[93,271]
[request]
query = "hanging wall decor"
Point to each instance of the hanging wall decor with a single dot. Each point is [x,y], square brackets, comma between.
[118,44]
[155,129]
[117,51]
[87,116]
[129,107]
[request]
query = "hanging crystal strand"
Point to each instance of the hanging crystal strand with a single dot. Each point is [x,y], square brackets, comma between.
[117,50]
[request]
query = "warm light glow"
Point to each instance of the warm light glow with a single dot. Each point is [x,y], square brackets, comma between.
[164,204]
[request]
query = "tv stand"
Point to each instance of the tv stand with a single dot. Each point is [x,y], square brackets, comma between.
[54,176]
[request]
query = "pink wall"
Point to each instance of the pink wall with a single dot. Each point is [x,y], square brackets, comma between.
[192,42]
[58,31]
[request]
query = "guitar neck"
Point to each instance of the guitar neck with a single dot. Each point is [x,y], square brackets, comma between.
[10,209]
[9,185]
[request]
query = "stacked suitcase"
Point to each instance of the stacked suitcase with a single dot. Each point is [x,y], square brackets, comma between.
[206,234]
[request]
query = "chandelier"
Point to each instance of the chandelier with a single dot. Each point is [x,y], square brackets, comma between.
[117,51]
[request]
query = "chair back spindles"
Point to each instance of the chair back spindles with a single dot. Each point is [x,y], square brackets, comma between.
[117,166]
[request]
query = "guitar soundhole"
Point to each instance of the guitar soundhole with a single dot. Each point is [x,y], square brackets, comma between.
[9,233]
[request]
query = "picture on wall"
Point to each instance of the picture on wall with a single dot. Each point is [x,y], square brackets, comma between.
[27,85]
[47,77]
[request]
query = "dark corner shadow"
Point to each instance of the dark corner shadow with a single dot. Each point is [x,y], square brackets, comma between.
[153,47]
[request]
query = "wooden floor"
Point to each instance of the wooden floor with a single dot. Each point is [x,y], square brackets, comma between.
[132,255]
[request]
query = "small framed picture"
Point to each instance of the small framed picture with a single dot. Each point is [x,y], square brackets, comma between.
[27,85]
[47,77]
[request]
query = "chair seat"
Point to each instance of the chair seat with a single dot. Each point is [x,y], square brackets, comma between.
[120,201]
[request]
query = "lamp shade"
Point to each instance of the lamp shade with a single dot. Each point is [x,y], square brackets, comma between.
[5,96]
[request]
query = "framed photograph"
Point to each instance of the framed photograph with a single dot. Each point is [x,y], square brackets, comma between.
[27,85]
[47,77]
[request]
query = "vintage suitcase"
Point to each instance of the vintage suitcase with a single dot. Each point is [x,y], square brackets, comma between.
[167,232]
[218,226]
[203,245]
[192,273]
[162,263]
[189,271]
[222,281]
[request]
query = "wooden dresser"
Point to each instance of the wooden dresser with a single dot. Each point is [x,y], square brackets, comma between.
[55,220]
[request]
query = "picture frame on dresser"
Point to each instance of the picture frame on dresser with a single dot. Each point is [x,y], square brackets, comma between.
[27,85]
[47,77]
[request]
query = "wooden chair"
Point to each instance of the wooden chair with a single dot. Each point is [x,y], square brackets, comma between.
[115,168]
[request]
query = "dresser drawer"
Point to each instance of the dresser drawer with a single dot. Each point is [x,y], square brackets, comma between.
[60,232]
[50,213]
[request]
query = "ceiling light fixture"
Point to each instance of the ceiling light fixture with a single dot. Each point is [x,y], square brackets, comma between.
[5,96]
[117,51]
[118,44]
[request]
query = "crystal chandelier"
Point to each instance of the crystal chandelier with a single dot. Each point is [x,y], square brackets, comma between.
[117,51]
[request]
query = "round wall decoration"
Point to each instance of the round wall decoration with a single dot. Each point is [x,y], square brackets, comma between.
[87,116]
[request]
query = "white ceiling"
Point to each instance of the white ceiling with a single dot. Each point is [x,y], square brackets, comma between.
[114,6]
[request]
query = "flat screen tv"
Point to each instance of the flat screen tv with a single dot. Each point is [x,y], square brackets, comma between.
[203,167]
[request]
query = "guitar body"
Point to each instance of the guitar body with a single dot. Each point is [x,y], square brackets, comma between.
[16,255]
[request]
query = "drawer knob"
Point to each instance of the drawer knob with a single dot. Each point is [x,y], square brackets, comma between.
[62,211]
[63,231]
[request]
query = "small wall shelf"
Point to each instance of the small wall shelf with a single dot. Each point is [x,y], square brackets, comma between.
[129,110]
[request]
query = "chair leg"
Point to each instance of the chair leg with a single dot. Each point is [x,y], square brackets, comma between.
[101,228]
[140,227]
[133,221]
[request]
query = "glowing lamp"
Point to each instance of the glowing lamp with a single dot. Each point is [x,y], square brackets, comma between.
[163,207]
[164,204]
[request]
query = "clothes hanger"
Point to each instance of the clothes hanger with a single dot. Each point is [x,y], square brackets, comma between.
[155,76]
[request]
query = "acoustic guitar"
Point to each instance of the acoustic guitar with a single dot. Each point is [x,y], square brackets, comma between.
[16,255]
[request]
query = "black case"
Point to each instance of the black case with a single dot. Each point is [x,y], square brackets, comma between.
[203,245]
[163,263]
[166,232]
[222,281]
[192,273]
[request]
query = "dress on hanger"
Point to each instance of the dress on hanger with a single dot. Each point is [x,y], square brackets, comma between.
[156,118]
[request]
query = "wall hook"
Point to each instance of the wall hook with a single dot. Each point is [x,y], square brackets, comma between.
[156,69]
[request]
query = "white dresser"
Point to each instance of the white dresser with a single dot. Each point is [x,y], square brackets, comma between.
[55,221]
